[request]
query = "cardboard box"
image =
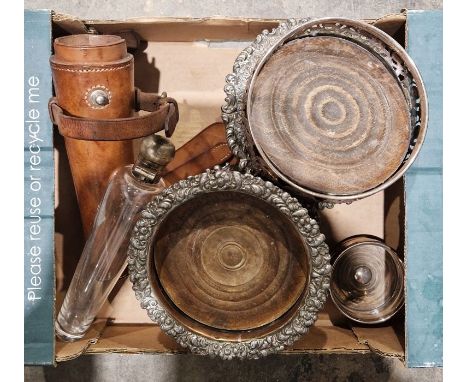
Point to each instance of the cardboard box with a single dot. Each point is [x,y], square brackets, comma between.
[189,58]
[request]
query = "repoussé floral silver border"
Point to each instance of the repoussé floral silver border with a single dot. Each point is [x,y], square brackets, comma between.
[226,180]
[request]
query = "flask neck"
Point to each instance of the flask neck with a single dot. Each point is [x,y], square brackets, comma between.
[147,172]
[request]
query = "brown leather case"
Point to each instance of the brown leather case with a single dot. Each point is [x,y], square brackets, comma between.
[206,150]
[95,133]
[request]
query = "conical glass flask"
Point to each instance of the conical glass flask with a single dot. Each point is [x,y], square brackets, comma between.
[104,256]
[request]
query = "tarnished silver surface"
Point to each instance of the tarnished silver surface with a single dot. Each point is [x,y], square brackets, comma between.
[225,180]
[251,60]
[155,153]
[234,112]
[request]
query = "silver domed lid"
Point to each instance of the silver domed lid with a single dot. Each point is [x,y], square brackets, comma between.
[155,153]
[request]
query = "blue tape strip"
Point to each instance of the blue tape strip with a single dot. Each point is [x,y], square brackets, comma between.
[39,277]
[424,203]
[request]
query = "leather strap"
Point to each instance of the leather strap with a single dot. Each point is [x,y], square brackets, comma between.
[163,114]
[206,150]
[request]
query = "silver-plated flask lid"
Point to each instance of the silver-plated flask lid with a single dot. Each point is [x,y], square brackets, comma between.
[155,153]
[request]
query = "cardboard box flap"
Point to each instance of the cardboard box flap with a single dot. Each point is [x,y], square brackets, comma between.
[149,338]
[68,23]
[173,29]
[192,30]
[134,338]
[196,29]
[330,339]
[325,336]
[65,351]
[395,227]
[383,340]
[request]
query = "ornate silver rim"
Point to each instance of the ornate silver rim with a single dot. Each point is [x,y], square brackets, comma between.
[225,180]
[250,61]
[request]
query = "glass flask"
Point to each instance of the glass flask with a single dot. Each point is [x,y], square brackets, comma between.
[104,256]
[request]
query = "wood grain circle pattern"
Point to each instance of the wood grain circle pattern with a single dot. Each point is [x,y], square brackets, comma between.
[226,243]
[329,115]
[230,261]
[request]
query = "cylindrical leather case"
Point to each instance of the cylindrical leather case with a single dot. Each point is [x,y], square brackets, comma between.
[82,66]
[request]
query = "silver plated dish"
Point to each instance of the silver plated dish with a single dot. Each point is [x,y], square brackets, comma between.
[333,109]
[229,265]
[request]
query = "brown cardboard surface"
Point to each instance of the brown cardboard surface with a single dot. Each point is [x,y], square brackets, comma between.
[330,339]
[172,29]
[207,29]
[323,336]
[185,58]
[394,221]
[69,23]
[65,351]
[364,216]
[195,29]
[134,339]
[125,308]
[383,340]
[197,87]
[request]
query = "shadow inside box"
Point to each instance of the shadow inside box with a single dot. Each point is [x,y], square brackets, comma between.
[135,338]
[147,74]
[326,335]
[67,220]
